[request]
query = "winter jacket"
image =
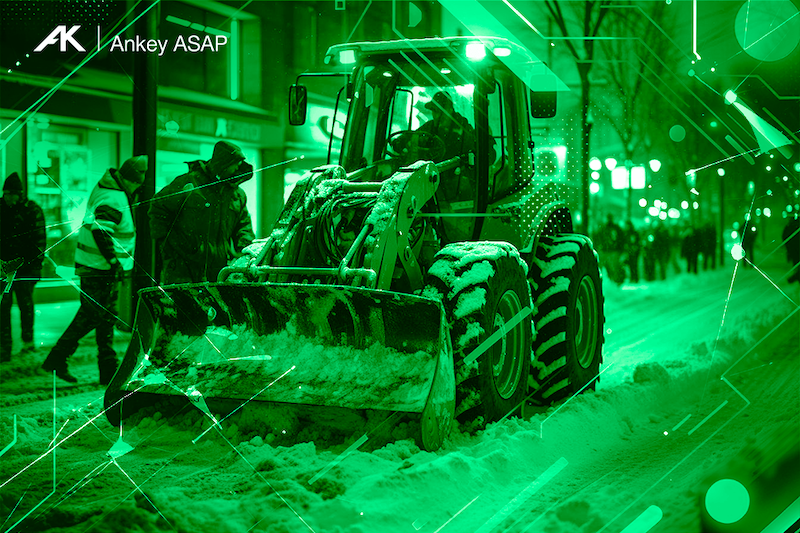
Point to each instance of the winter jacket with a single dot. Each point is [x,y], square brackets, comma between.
[457,134]
[632,244]
[199,224]
[22,232]
[108,209]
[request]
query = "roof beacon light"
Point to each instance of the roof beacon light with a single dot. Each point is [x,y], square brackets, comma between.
[502,52]
[347,57]
[475,51]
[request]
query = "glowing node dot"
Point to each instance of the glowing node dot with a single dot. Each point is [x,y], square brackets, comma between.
[677,133]
[666,433]
[727,501]
[737,252]
[691,72]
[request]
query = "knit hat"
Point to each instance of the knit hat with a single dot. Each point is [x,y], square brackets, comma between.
[133,169]
[13,183]
[440,100]
[225,154]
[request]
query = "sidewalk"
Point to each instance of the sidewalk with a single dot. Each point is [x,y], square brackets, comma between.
[49,323]
[23,377]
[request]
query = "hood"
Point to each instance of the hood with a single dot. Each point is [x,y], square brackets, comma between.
[110,180]
[201,167]
[13,183]
[244,173]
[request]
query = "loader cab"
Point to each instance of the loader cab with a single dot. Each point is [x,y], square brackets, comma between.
[468,114]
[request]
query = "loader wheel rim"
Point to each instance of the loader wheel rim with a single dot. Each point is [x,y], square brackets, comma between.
[586,318]
[506,352]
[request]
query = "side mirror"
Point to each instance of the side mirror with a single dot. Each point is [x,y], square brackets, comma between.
[298,102]
[544,104]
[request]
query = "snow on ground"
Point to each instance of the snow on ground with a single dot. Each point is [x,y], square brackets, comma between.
[591,464]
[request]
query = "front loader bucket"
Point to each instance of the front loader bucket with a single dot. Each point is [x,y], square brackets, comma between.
[319,345]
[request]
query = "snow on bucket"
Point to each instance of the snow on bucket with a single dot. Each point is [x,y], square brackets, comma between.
[319,345]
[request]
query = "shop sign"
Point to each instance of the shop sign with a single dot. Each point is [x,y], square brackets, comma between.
[215,126]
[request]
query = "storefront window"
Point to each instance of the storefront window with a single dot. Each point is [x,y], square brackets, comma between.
[198,64]
[64,164]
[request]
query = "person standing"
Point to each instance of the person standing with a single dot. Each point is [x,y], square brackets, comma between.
[690,249]
[708,245]
[22,247]
[106,242]
[200,221]
[791,238]
[633,247]
[749,234]
[662,248]
[610,242]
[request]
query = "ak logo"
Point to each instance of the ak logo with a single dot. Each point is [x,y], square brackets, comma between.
[63,37]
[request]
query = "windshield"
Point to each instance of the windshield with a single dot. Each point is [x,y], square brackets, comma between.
[405,111]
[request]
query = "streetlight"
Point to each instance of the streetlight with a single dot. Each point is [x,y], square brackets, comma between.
[628,177]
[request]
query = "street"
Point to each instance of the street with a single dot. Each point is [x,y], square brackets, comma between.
[658,429]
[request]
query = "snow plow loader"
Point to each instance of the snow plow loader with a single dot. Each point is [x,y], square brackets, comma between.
[432,272]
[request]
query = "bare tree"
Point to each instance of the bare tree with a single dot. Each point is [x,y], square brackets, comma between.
[633,64]
[580,27]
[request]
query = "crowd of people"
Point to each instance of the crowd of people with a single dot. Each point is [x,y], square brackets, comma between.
[661,247]
[657,247]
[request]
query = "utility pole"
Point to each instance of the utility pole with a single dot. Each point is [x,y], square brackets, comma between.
[145,104]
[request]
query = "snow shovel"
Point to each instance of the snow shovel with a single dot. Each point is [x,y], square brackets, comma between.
[321,345]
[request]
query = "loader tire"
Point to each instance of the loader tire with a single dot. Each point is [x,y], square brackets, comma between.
[483,286]
[569,318]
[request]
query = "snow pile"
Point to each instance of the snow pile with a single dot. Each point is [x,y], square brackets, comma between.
[293,368]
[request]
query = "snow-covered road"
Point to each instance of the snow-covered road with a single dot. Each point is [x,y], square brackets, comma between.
[661,428]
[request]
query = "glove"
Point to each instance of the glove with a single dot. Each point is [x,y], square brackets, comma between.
[7,268]
[116,268]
